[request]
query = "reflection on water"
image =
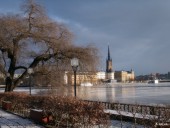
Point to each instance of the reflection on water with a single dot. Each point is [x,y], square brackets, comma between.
[123,93]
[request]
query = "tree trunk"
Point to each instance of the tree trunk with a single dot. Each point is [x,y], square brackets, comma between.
[8,82]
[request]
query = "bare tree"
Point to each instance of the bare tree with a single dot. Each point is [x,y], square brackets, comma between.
[31,39]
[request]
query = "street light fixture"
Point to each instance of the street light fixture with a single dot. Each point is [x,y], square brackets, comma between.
[30,71]
[74,64]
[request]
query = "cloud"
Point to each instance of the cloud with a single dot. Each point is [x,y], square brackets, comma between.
[136,31]
[60,20]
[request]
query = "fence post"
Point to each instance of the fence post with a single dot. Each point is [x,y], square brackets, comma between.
[124,107]
[151,109]
[128,107]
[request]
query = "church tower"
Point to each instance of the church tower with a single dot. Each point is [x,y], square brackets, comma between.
[109,69]
[108,62]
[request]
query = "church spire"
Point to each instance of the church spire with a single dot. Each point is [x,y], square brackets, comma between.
[108,53]
[108,62]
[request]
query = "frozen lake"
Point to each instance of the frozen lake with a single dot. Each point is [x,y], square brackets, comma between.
[123,93]
[128,93]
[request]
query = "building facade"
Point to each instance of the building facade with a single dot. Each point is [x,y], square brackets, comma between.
[81,78]
[125,76]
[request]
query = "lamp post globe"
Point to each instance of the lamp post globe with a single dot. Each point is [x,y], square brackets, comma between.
[74,64]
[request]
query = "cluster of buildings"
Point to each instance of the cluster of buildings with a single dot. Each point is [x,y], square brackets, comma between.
[108,76]
[152,76]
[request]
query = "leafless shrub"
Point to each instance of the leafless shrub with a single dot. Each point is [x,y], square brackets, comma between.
[74,112]
[65,111]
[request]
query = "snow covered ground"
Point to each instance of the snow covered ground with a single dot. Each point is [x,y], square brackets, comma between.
[8,120]
[129,114]
[123,124]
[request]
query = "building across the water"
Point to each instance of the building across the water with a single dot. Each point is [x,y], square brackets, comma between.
[109,68]
[98,77]
[124,76]
[81,78]
[119,76]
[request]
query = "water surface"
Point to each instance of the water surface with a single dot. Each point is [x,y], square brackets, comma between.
[123,93]
[128,93]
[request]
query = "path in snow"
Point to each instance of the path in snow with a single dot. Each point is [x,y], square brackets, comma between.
[8,120]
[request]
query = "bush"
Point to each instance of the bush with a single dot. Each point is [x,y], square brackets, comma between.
[64,110]
[74,112]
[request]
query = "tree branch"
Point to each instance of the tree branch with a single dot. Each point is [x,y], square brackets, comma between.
[20,67]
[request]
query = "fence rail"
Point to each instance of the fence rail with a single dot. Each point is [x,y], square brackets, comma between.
[134,108]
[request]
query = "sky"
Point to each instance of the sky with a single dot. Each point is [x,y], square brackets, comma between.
[137,31]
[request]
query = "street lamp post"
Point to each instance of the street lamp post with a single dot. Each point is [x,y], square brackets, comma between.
[74,64]
[30,71]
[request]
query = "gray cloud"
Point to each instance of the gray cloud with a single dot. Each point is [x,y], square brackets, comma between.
[137,31]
